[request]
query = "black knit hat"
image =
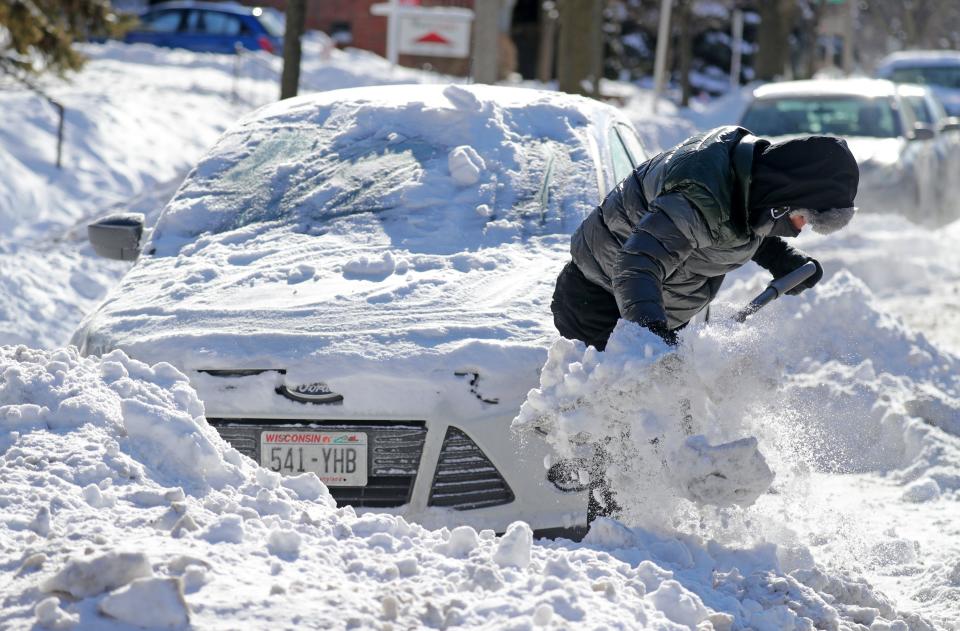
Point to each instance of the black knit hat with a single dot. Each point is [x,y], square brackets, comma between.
[815,172]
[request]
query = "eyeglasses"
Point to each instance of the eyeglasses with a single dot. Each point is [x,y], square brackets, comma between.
[781,211]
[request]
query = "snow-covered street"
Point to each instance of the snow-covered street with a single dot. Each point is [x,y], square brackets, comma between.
[123,508]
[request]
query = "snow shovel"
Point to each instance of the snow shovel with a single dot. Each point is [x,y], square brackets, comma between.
[776,289]
[734,472]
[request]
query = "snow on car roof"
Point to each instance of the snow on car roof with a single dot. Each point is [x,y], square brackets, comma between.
[920,57]
[827,87]
[913,89]
[372,224]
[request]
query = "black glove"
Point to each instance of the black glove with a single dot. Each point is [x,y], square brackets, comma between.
[810,282]
[779,258]
[659,328]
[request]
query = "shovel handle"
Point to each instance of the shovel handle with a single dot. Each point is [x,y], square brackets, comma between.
[777,288]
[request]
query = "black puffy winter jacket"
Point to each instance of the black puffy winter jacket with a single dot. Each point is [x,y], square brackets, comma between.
[663,239]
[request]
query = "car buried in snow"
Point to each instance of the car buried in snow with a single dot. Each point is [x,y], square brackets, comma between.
[358,283]
[901,157]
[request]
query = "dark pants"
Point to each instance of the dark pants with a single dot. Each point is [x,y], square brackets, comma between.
[583,310]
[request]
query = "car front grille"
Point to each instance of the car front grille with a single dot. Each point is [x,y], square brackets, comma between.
[465,478]
[393,460]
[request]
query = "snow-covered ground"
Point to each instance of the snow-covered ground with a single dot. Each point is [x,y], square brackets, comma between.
[122,507]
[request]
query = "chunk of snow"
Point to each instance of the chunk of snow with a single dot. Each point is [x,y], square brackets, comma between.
[150,603]
[733,473]
[463,540]
[227,529]
[926,490]
[407,566]
[96,498]
[513,549]
[308,486]
[300,273]
[88,577]
[41,523]
[51,616]
[284,543]
[678,604]
[379,266]
[465,165]
[542,615]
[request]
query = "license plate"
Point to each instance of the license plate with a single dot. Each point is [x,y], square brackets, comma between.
[338,458]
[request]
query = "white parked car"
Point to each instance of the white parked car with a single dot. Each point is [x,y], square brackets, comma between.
[900,164]
[939,69]
[358,284]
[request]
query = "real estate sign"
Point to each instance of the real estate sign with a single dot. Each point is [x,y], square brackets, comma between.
[429,31]
[434,35]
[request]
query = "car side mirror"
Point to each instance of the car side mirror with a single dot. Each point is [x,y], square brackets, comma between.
[922,132]
[117,236]
[951,123]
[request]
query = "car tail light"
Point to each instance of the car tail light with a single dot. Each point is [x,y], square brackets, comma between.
[265,44]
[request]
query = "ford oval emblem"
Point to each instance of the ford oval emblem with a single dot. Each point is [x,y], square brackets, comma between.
[317,392]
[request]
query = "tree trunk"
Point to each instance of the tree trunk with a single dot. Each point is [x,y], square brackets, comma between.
[685,50]
[296,18]
[772,47]
[575,50]
[811,49]
[486,41]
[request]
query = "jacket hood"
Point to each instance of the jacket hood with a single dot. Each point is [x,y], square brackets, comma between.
[815,172]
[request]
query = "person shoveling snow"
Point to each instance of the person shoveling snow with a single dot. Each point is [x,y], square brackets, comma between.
[656,251]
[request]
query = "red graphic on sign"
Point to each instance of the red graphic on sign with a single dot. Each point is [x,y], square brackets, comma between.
[433,38]
[326,439]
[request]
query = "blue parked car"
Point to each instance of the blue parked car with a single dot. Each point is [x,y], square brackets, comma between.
[209,27]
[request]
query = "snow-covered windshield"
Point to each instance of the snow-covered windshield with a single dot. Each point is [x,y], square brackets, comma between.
[837,115]
[945,76]
[389,166]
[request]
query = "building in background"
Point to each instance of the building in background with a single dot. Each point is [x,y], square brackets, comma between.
[351,23]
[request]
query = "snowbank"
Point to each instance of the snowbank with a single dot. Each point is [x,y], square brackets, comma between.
[117,493]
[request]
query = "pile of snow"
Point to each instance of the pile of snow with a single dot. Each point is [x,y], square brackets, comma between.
[121,503]
[825,383]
